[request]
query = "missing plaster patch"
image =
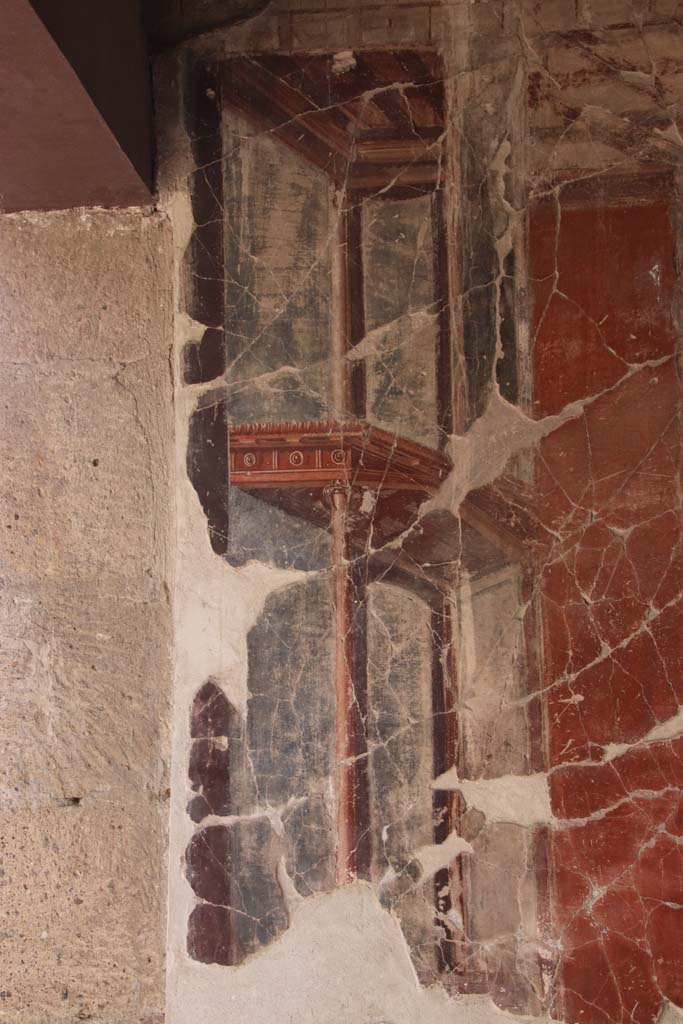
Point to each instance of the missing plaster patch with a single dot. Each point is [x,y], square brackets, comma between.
[671,729]
[343,61]
[517,799]
[435,857]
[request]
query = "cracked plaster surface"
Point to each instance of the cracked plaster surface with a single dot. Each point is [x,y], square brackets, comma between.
[539,585]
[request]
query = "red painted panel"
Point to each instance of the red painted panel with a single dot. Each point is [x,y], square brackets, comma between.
[609,488]
[603,284]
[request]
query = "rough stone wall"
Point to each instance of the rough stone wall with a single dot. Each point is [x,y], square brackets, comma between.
[87,511]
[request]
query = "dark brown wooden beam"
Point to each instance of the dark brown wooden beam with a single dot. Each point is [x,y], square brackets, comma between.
[355,300]
[445,362]
[423,176]
[169,22]
[445,804]
[58,149]
[394,150]
[105,44]
[343,689]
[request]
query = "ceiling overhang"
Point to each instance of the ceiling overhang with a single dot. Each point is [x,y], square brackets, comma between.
[64,144]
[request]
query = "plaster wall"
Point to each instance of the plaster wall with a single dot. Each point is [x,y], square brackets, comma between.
[517,150]
[133,343]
